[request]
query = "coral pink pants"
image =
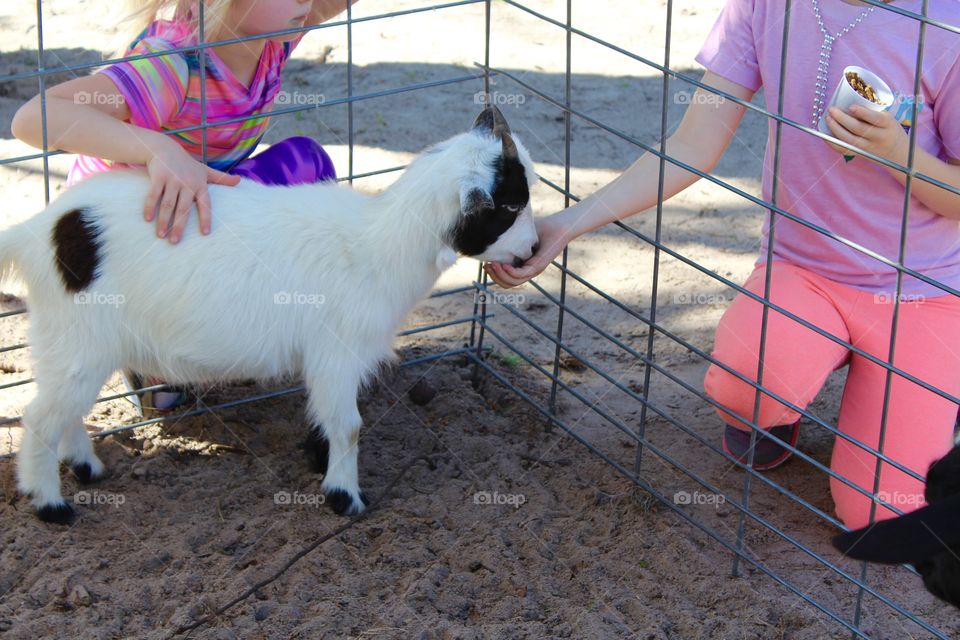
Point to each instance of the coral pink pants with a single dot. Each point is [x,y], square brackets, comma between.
[797,361]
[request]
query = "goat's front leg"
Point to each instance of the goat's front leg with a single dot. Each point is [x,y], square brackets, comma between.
[332,441]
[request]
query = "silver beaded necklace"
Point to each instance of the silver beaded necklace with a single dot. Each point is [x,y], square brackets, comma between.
[826,51]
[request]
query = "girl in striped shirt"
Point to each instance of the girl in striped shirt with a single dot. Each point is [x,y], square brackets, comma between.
[120,116]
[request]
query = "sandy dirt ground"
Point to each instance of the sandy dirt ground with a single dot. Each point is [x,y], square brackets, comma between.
[513,530]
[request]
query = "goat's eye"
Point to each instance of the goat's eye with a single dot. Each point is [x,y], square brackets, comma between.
[513,208]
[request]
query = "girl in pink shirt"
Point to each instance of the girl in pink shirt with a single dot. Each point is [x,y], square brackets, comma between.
[814,276]
[120,115]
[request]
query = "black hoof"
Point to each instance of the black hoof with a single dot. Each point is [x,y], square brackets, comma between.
[341,502]
[56,513]
[84,473]
[318,451]
[366,500]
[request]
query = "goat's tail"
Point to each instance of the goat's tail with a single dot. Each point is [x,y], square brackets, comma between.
[12,242]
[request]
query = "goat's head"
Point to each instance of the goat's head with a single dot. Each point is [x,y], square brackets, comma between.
[928,538]
[496,221]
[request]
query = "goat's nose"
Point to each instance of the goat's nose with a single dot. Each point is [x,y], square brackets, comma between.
[534,248]
[518,262]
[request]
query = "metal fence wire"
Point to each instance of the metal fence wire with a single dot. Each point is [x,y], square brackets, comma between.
[553,394]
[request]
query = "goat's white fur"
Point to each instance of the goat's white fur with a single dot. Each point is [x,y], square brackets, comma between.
[312,279]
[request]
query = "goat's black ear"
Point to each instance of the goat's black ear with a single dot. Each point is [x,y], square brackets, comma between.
[491,121]
[475,200]
[910,538]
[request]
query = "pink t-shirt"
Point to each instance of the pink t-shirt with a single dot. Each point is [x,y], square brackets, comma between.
[857,200]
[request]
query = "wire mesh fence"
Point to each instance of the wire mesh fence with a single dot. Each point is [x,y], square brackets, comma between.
[568,377]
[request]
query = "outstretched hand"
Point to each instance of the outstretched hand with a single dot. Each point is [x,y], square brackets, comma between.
[553,238]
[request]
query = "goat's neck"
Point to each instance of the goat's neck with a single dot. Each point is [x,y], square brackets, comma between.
[408,231]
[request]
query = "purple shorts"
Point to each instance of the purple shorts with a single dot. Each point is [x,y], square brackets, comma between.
[297,160]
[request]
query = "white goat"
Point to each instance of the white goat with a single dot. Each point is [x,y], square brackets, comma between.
[312,280]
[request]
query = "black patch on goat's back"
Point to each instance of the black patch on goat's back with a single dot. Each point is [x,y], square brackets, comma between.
[76,244]
[481,225]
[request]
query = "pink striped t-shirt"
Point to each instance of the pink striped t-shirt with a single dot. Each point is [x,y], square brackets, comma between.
[857,200]
[163,94]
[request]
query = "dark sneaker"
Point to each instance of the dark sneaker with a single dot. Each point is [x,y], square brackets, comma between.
[769,453]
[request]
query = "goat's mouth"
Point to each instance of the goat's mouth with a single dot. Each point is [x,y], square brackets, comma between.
[518,262]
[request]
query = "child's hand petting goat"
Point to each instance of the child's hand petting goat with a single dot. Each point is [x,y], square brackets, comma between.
[229,305]
[928,538]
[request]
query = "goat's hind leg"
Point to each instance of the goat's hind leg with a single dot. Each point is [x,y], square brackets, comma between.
[332,443]
[53,422]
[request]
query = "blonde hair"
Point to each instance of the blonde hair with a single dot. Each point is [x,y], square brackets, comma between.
[141,13]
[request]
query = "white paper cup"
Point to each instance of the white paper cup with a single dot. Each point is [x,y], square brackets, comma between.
[846,96]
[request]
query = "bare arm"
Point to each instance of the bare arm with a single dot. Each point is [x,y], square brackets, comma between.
[940,200]
[700,141]
[86,115]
